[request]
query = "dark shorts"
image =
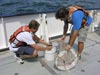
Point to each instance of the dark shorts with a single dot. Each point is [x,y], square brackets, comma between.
[25,50]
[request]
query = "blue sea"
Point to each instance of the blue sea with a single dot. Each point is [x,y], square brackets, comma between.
[23,7]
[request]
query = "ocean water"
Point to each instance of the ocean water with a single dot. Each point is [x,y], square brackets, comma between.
[22,7]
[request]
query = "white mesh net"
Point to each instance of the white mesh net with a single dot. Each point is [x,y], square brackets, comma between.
[66,60]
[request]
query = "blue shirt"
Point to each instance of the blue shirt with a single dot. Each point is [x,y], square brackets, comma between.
[77,18]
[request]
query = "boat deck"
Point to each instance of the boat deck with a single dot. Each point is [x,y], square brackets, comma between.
[88,65]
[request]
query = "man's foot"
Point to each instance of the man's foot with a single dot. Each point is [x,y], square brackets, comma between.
[79,56]
[19,60]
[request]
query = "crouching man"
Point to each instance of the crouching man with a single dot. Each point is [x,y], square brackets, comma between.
[24,41]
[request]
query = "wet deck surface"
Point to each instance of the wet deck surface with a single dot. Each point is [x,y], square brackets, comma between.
[88,65]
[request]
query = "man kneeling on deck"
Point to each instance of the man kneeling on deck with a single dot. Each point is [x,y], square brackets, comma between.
[23,41]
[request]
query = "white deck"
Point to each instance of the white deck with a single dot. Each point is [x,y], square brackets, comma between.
[88,65]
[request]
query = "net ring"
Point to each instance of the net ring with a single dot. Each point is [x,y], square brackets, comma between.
[63,63]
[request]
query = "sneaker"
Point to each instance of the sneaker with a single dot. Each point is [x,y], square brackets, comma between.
[19,60]
[79,56]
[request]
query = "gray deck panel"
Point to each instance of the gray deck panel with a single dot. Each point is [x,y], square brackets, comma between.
[8,66]
[88,65]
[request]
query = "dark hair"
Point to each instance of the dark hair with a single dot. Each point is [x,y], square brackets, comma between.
[34,24]
[61,13]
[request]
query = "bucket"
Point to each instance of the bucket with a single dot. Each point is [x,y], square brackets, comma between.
[50,55]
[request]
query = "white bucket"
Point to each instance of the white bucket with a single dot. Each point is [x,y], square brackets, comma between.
[50,55]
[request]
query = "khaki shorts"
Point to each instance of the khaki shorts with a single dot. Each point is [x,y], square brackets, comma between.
[83,34]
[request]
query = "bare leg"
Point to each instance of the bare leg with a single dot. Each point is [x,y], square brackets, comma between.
[35,54]
[80,47]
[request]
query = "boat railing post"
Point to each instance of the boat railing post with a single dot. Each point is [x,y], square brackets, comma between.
[49,55]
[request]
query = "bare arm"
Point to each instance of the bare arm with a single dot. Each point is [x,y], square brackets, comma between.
[43,42]
[72,39]
[38,40]
[65,28]
[35,38]
[41,48]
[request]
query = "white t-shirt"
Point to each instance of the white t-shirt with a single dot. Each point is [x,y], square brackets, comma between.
[23,36]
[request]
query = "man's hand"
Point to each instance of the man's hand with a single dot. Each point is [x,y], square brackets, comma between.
[63,37]
[49,47]
[68,47]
